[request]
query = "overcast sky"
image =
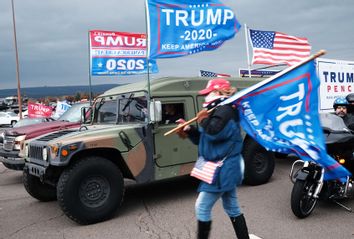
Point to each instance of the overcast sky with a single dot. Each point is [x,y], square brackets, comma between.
[52,36]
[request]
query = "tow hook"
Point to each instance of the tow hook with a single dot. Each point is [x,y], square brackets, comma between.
[41,177]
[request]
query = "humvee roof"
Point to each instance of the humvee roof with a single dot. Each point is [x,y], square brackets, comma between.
[177,85]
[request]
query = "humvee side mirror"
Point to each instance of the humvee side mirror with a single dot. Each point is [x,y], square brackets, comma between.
[86,115]
[155,111]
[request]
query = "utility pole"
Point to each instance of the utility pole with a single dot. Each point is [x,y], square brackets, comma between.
[17,63]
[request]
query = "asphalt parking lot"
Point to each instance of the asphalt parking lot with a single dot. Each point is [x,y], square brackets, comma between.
[166,210]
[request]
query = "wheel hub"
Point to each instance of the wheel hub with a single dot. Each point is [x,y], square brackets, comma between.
[260,163]
[94,191]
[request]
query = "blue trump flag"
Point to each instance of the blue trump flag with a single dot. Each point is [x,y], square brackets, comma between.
[282,116]
[182,27]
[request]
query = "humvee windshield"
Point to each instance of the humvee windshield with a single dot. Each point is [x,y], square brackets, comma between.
[121,109]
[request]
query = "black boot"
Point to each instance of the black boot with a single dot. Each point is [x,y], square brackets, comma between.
[240,227]
[203,229]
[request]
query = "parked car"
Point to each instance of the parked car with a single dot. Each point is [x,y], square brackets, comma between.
[8,118]
[31,121]
[13,138]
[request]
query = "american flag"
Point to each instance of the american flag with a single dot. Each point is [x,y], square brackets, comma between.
[212,74]
[271,48]
[205,170]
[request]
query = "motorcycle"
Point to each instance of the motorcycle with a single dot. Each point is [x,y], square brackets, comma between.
[308,179]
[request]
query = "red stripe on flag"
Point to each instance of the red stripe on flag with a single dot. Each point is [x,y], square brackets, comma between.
[206,173]
[285,49]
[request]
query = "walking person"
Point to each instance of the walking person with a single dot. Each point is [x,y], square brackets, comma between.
[218,137]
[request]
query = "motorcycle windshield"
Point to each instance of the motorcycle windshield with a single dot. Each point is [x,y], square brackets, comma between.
[333,122]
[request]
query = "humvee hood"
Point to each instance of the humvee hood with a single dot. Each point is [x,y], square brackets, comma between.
[92,133]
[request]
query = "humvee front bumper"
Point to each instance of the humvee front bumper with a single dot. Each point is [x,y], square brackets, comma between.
[36,170]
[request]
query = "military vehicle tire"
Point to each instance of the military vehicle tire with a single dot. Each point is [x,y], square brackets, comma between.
[13,166]
[41,191]
[90,190]
[259,163]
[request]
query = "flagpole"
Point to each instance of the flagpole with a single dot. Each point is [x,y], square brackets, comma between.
[90,67]
[252,88]
[17,62]
[147,58]
[248,52]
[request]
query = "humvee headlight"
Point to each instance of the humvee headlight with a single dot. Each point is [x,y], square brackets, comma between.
[45,154]
[2,136]
[26,150]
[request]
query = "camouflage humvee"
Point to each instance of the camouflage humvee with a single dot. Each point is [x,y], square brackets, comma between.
[85,169]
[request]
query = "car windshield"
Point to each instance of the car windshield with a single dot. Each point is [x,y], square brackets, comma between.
[123,108]
[30,121]
[73,114]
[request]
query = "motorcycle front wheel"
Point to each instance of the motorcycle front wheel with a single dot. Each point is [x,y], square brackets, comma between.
[302,200]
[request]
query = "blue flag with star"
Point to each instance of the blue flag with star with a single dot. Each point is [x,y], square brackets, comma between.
[183,27]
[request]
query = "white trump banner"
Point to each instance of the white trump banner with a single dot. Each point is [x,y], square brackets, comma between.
[337,79]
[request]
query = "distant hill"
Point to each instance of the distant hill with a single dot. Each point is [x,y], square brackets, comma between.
[56,91]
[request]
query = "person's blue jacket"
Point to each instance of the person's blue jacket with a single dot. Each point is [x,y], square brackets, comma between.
[219,136]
